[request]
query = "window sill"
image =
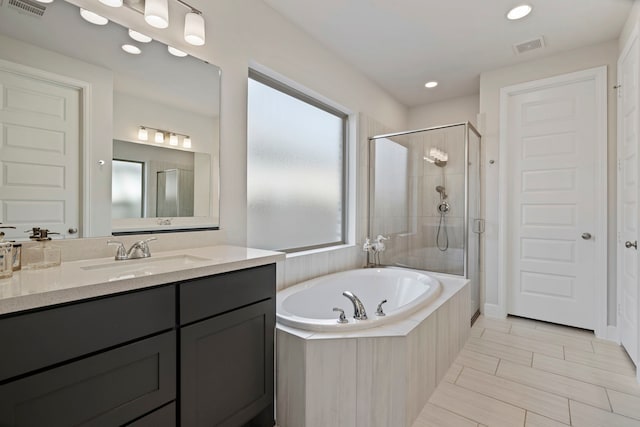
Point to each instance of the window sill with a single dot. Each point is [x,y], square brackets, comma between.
[320,250]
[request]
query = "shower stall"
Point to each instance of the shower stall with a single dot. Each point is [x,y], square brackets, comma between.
[425,196]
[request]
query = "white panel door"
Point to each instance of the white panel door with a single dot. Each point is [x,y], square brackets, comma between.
[628,197]
[39,154]
[552,145]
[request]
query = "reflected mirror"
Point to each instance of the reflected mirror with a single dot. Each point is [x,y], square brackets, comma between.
[98,140]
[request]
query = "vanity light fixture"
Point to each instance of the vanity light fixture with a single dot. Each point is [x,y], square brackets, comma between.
[159,138]
[156,13]
[194,28]
[139,37]
[143,135]
[161,135]
[519,12]
[133,50]
[93,17]
[112,3]
[431,85]
[176,52]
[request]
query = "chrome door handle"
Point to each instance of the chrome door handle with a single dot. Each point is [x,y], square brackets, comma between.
[630,245]
[586,236]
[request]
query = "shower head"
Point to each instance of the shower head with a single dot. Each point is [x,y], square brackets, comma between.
[443,193]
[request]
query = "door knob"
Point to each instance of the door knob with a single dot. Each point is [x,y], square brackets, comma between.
[630,245]
[586,236]
[72,230]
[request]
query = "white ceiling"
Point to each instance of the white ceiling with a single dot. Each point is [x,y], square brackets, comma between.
[402,44]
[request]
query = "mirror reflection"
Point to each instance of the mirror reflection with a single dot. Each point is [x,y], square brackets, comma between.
[78,102]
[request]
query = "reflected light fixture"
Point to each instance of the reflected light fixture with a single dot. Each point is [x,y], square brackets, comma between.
[159,138]
[133,50]
[519,12]
[431,85]
[176,52]
[139,37]
[156,13]
[143,135]
[194,28]
[161,135]
[112,3]
[93,17]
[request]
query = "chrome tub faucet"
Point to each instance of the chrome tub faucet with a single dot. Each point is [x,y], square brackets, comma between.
[359,313]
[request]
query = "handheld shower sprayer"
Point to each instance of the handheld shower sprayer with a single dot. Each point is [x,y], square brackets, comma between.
[443,193]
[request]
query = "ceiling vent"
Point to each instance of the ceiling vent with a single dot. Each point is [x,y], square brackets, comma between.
[28,7]
[528,45]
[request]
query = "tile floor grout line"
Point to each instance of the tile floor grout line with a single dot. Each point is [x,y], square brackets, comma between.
[453,412]
[614,413]
[606,390]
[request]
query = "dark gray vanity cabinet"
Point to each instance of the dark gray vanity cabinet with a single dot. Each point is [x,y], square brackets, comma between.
[196,353]
[227,349]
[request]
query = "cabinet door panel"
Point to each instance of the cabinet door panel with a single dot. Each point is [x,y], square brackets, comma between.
[163,417]
[44,338]
[227,367]
[213,295]
[107,389]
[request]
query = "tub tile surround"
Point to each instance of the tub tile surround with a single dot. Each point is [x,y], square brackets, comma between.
[373,377]
[510,373]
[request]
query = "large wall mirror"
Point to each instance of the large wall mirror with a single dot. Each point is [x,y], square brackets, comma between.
[96,140]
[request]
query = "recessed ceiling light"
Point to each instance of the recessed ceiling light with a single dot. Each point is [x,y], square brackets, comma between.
[431,85]
[176,52]
[93,17]
[44,1]
[519,12]
[112,3]
[129,48]
[139,37]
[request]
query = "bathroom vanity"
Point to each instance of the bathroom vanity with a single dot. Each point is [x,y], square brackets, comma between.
[191,347]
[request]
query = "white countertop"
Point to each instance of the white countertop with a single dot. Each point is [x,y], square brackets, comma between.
[78,280]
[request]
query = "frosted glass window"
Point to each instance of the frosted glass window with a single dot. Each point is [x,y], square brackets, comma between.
[126,189]
[295,169]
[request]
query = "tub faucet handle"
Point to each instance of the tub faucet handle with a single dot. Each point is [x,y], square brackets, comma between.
[379,311]
[342,318]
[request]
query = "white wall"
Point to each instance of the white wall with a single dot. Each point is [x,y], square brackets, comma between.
[634,18]
[449,111]
[490,84]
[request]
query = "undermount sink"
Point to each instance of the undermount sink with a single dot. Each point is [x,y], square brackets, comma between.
[146,265]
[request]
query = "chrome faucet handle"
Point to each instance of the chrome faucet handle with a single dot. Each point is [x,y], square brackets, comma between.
[121,253]
[379,311]
[143,246]
[342,318]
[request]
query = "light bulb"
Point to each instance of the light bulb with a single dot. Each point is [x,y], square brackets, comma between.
[159,138]
[431,85]
[143,135]
[173,139]
[194,29]
[186,142]
[519,12]
[156,13]
[44,1]
[93,17]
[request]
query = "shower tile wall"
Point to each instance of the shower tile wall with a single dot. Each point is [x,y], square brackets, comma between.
[414,229]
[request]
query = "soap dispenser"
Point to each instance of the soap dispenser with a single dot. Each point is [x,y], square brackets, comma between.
[43,254]
[6,256]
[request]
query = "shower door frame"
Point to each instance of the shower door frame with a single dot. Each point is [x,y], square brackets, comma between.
[467,127]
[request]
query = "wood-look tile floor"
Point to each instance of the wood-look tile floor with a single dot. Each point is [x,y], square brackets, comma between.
[523,373]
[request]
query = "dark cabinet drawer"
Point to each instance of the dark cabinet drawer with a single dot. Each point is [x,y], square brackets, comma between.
[227,368]
[213,295]
[163,417]
[39,339]
[108,389]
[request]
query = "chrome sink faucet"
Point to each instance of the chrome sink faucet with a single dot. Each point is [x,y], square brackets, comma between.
[139,249]
[359,313]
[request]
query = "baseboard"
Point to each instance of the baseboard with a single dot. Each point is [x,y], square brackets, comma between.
[493,310]
[612,334]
